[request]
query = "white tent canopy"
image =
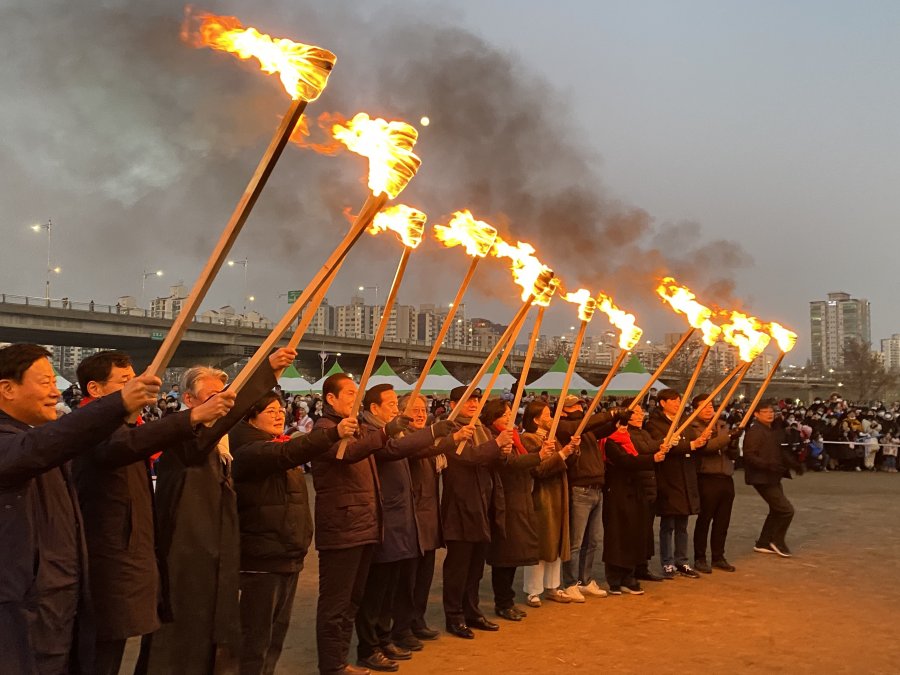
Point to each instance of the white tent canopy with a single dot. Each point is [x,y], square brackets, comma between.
[504,382]
[292,382]
[439,380]
[386,375]
[632,379]
[552,380]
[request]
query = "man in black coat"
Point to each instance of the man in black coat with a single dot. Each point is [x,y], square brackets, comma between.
[764,467]
[678,496]
[115,492]
[471,497]
[42,549]
[199,537]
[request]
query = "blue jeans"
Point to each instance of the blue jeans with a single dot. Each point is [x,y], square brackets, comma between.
[677,526]
[585,534]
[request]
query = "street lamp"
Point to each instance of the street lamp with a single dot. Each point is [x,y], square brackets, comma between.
[232,263]
[156,273]
[371,288]
[50,268]
[323,355]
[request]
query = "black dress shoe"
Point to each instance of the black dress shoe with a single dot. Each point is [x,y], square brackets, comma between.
[701,565]
[426,633]
[460,630]
[647,575]
[378,661]
[687,571]
[350,669]
[396,652]
[520,612]
[483,624]
[410,642]
[508,613]
[722,564]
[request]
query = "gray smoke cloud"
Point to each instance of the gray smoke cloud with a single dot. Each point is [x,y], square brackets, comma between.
[139,146]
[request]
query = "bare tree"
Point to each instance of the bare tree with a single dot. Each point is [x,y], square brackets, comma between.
[863,373]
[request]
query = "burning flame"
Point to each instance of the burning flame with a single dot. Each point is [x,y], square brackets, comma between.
[463,230]
[303,69]
[528,272]
[744,333]
[407,222]
[629,333]
[546,295]
[388,145]
[684,302]
[785,338]
[585,301]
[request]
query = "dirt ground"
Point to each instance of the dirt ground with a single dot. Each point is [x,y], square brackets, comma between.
[833,608]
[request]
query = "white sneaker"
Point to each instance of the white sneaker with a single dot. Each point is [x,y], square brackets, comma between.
[574,593]
[592,589]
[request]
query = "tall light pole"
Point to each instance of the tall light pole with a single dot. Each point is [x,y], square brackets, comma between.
[232,263]
[323,355]
[367,288]
[157,273]
[50,268]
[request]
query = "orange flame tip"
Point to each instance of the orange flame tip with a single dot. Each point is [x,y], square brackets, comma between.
[407,222]
[546,295]
[303,69]
[463,230]
[684,302]
[387,145]
[744,332]
[585,301]
[785,338]
[528,272]
[629,333]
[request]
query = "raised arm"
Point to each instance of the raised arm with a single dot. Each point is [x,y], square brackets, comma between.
[261,458]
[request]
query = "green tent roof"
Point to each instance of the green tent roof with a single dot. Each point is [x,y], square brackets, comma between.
[291,371]
[336,368]
[634,365]
[560,366]
[385,369]
[438,368]
[493,367]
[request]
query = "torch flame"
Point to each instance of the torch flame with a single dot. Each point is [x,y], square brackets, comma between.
[546,295]
[407,222]
[629,333]
[585,301]
[785,338]
[528,272]
[463,230]
[388,145]
[684,302]
[303,69]
[744,333]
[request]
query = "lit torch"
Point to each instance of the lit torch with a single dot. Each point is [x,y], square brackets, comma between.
[741,332]
[477,237]
[389,160]
[629,336]
[786,340]
[304,71]
[409,224]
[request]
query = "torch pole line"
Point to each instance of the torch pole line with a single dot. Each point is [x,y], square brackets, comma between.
[310,311]
[662,366]
[728,396]
[567,380]
[523,310]
[599,395]
[372,206]
[709,399]
[439,340]
[526,366]
[239,216]
[762,390]
[687,394]
[376,343]
[510,345]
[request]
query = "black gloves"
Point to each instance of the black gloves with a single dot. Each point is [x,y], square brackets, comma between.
[621,415]
[735,433]
[397,425]
[443,428]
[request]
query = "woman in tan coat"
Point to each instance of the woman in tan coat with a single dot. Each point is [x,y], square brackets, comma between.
[551,507]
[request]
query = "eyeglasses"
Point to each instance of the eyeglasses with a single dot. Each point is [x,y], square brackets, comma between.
[273,413]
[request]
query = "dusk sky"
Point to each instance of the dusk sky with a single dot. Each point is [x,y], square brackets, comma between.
[751,148]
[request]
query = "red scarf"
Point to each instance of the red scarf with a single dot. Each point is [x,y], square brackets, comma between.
[517,442]
[622,438]
[283,438]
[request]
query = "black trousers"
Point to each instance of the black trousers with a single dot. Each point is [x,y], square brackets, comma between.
[463,569]
[411,597]
[375,615]
[651,539]
[619,576]
[502,582]
[342,583]
[267,599]
[109,657]
[716,500]
[781,513]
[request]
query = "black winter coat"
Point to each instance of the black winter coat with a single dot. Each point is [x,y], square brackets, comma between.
[43,581]
[272,498]
[116,496]
[763,460]
[199,541]
[646,445]
[625,507]
[677,492]
[426,494]
[585,466]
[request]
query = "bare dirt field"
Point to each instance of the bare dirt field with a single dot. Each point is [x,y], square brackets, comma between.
[833,608]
